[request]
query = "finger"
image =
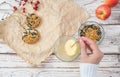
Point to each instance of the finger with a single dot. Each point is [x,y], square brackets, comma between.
[88,47]
[83,47]
[92,45]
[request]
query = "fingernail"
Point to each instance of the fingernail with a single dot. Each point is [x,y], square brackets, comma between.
[79,39]
[82,37]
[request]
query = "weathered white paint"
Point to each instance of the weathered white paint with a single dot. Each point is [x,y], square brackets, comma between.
[14,61]
[54,72]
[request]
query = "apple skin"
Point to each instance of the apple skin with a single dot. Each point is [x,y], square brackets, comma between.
[111,3]
[103,12]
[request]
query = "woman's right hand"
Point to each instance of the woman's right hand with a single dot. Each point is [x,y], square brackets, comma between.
[95,56]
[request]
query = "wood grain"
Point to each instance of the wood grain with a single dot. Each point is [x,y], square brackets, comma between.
[54,72]
[14,61]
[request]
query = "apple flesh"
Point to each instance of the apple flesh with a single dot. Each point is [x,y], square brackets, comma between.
[71,47]
[103,12]
[111,3]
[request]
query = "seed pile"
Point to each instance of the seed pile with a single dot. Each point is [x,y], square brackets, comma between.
[31,35]
[91,31]
[33,20]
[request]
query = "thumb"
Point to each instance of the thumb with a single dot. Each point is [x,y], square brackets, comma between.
[83,47]
[93,46]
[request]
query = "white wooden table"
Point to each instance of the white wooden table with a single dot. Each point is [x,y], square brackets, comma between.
[12,65]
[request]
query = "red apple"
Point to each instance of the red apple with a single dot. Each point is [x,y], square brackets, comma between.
[103,12]
[111,3]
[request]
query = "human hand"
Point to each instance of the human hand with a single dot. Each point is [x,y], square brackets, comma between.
[95,56]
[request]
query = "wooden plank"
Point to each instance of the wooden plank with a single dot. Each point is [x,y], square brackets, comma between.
[110,44]
[111,41]
[54,72]
[93,4]
[13,61]
[112,20]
